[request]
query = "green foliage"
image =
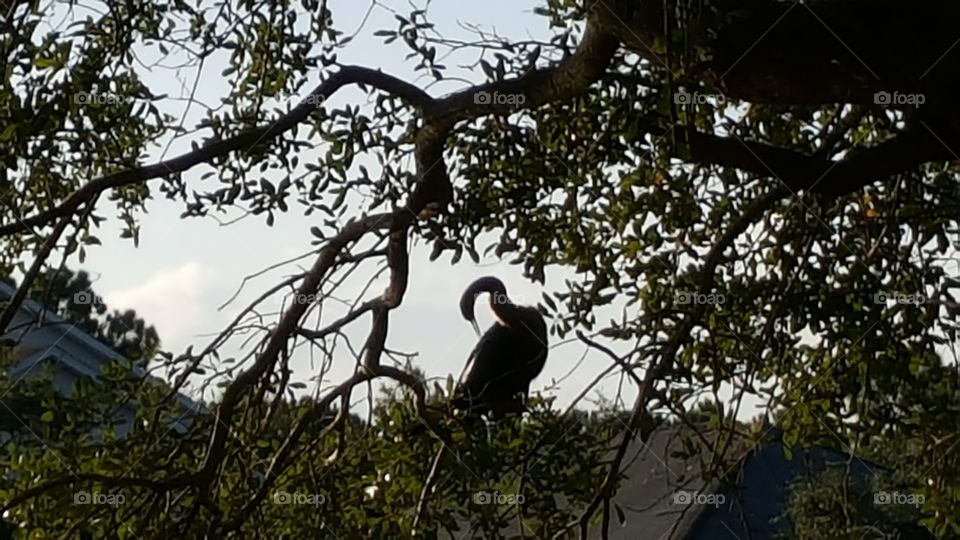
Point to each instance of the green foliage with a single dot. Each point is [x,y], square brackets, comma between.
[834,504]
[601,185]
[540,470]
[49,437]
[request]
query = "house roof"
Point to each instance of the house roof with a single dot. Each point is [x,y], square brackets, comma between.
[664,496]
[69,340]
[661,476]
[655,473]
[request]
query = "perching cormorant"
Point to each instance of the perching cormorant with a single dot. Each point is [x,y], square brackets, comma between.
[510,354]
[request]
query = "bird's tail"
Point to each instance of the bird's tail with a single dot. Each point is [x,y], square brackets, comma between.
[495,408]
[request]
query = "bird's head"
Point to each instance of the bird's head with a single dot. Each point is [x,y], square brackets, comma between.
[487,284]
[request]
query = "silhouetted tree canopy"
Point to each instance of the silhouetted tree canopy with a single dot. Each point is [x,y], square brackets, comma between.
[766,192]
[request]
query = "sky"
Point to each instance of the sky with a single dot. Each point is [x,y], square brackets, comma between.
[185,269]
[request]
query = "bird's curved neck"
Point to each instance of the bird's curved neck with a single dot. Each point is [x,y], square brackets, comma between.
[503,309]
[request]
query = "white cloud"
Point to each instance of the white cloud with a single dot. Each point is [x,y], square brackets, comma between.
[171,300]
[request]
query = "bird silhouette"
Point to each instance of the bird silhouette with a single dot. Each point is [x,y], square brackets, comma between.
[509,355]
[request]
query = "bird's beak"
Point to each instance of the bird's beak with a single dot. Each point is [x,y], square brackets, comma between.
[476,327]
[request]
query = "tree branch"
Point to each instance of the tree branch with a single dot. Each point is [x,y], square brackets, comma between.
[829,178]
[240,142]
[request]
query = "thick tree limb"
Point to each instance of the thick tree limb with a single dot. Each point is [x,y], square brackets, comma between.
[811,53]
[830,178]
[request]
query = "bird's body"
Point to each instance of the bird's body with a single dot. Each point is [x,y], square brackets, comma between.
[510,354]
